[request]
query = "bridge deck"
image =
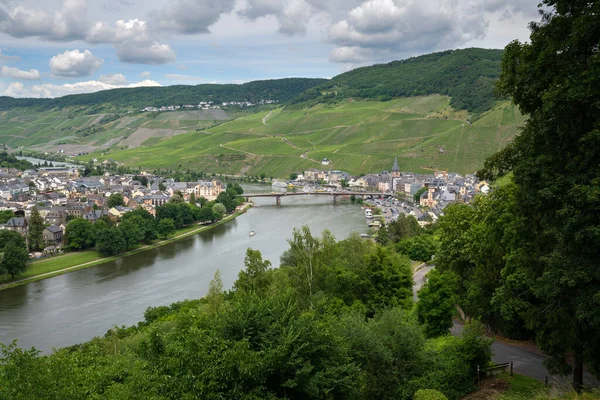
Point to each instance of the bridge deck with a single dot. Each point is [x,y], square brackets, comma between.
[316,194]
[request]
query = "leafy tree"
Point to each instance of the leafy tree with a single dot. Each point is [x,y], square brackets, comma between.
[78,234]
[13,253]
[110,241]
[133,230]
[145,222]
[225,199]
[219,211]
[166,227]
[171,211]
[239,190]
[417,196]
[192,200]
[344,183]
[436,303]
[215,297]
[307,256]
[203,214]
[555,169]
[383,236]
[115,200]
[418,248]
[36,230]
[293,176]
[14,260]
[262,176]
[403,227]
[5,216]
[256,277]
[161,187]
[202,200]
[142,179]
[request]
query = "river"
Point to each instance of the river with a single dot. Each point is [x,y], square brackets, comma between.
[77,306]
[36,161]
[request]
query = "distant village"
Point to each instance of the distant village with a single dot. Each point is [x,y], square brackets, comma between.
[434,191]
[61,194]
[208,105]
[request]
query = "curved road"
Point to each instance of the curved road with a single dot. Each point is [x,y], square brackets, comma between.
[525,362]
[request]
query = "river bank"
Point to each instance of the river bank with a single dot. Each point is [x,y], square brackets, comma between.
[69,262]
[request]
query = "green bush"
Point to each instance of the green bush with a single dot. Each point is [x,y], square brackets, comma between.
[429,394]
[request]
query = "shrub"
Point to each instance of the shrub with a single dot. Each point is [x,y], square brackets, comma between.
[429,394]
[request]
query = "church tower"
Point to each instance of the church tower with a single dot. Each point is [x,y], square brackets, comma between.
[395,169]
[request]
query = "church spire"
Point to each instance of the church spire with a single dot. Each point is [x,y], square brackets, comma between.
[395,168]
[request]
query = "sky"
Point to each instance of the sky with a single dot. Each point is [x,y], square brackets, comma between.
[51,48]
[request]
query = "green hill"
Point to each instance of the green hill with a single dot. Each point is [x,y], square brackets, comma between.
[467,76]
[357,136]
[280,90]
[417,109]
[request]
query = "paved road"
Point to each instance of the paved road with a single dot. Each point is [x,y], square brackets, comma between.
[524,361]
[419,279]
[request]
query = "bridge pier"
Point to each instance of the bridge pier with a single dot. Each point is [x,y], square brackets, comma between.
[278,200]
[335,199]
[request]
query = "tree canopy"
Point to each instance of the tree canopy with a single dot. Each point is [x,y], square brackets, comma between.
[467,76]
[553,256]
[278,334]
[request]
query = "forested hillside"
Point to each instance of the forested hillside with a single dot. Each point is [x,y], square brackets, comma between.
[333,322]
[280,90]
[467,76]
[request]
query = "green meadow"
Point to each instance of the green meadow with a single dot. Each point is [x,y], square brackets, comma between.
[74,131]
[356,136]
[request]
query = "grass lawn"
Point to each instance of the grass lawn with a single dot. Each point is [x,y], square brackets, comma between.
[524,388]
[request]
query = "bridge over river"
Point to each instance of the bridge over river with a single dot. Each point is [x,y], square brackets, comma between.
[335,195]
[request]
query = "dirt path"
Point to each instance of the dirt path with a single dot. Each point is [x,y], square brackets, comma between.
[239,151]
[266,118]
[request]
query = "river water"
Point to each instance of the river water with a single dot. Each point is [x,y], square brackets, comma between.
[36,161]
[77,306]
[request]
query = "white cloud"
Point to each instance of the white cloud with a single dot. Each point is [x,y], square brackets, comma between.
[15,73]
[293,15]
[74,64]
[134,52]
[134,42]
[146,74]
[113,79]
[383,29]
[192,16]
[17,89]
[70,23]
[360,31]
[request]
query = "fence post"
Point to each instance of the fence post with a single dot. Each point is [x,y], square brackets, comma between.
[511,368]
[478,382]
[546,381]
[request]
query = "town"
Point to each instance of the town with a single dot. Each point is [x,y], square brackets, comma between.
[209,105]
[61,194]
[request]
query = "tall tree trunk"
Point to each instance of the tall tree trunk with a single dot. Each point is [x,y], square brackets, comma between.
[578,372]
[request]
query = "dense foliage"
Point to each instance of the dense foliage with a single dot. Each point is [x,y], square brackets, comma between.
[294,332]
[10,161]
[140,227]
[281,90]
[13,253]
[466,75]
[527,257]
